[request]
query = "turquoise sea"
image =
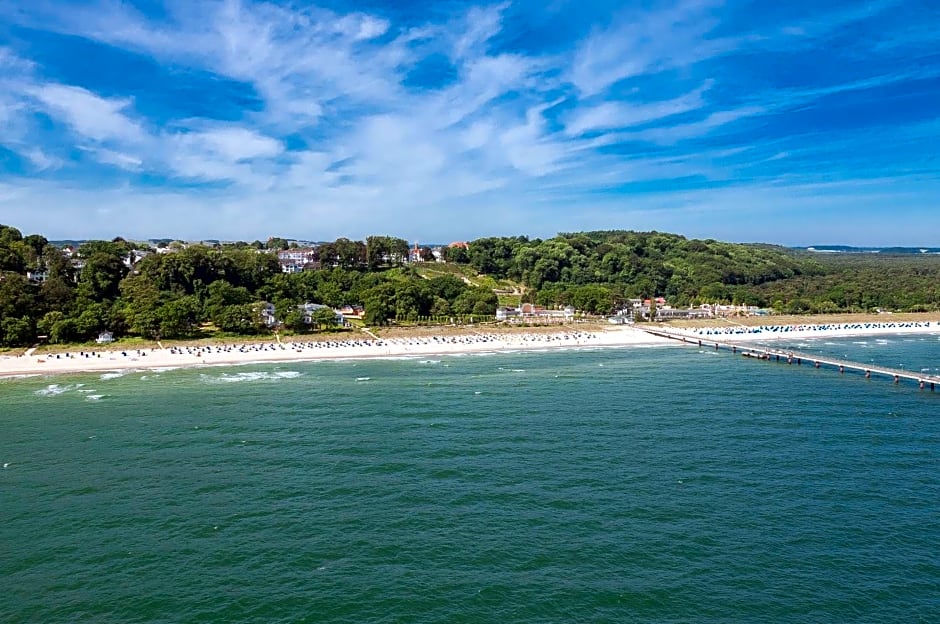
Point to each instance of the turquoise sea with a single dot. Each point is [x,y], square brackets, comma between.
[666,484]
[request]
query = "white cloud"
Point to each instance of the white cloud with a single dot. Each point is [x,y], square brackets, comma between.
[89,115]
[118,159]
[643,41]
[614,115]
[480,25]
[363,27]
[41,160]
[527,147]
[232,144]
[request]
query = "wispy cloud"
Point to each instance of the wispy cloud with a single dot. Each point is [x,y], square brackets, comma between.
[89,115]
[456,125]
[620,114]
[641,42]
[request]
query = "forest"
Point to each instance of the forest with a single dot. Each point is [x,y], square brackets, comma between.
[220,288]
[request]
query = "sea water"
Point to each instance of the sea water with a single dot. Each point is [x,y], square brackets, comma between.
[669,484]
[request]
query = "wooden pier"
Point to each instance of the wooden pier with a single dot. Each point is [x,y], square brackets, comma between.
[790,356]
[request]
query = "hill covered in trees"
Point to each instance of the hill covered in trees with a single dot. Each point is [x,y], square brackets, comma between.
[129,289]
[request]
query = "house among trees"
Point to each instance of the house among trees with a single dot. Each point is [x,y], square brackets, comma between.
[352,311]
[299,259]
[268,317]
[105,337]
[134,256]
[37,276]
[310,316]
[531,311]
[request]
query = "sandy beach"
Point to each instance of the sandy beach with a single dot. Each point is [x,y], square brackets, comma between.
[425,344]
[92,360]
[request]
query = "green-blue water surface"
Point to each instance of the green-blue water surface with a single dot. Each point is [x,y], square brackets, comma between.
[656,485]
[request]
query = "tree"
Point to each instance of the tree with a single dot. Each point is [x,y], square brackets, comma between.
[17,331]
[467,302]
[440,307]
[178,318]
[91,320]
[323,317]
[221,296]
[9,234]
[239,319]
[48,320]
[457,254]
[385,251]
[349,254]
[447,287]
[294,319]
[16,296]
[101,277]
[427,254]
[36,243]
[63,330]
[378,302]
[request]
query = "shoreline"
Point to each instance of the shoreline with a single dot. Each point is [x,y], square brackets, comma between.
[268,352]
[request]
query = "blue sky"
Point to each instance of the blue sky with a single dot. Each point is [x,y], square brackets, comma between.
[787,122]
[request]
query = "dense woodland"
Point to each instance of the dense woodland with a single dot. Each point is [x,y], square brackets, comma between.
[220,288]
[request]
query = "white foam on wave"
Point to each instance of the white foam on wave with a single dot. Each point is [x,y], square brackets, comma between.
[57,389]
[93,397]
[249,376]
[363,378]
[114,375]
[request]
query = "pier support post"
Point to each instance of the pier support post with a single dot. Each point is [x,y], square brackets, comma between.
[867,374]
[734,349]
[931,386]
[778,357]
[799,361]
[816,364]
[716,346]
[921,384]
[841,369]
[700,343]
[897,379]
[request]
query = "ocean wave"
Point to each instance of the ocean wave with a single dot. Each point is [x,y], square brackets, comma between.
[57,389]
[252,376]
[114,375]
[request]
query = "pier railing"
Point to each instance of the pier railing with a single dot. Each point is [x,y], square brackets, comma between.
[792,356]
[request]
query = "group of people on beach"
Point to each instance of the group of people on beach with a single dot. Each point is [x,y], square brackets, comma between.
[477,339]
[826,327]
[95,354]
